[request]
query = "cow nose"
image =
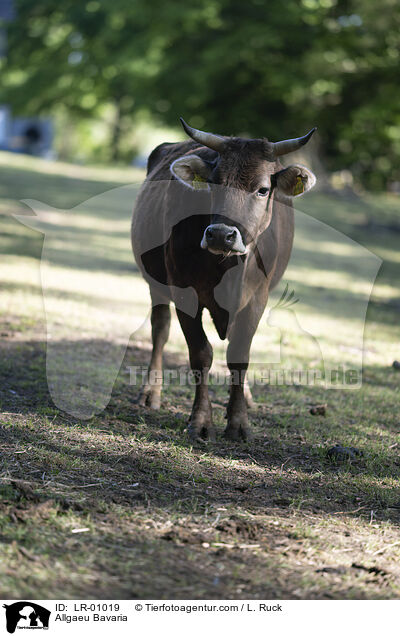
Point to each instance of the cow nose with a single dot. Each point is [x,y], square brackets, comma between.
[231,237]
[209,233]
[221,238]
[221,235]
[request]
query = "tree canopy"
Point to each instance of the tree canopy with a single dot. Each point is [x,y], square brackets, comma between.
[261,67]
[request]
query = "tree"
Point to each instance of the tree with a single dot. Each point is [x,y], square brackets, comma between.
[258,68]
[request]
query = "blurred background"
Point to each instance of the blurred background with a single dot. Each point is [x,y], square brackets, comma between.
[95,81]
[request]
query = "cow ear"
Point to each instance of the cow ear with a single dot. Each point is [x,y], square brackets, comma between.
[192,171]
[294,180]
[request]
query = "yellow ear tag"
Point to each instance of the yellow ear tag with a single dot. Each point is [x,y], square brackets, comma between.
[299,187]
[199,183]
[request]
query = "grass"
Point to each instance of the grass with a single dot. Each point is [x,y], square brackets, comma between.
[121,504]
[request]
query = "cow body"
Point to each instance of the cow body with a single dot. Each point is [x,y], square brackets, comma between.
[223,223]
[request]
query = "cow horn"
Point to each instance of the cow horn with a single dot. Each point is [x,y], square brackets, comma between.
[215,142]
[290,145]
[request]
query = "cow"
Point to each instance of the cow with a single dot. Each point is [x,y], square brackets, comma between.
[222,207]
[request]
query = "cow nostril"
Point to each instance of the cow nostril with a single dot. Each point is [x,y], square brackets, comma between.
[209,233]
[231,236]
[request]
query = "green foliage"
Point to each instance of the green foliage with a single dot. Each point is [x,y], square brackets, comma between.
[259,68]
[254,68]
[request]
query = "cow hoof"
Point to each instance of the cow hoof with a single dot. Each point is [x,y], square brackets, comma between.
[150,398]
[242,433]
[201,434]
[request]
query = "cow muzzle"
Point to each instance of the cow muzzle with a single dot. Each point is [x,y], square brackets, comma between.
[223,239]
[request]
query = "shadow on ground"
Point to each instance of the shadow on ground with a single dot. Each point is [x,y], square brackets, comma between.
[287,461]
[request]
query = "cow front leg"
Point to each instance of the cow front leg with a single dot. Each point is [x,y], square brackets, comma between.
[200,355]
[238,354]
[151,391]
[238,422]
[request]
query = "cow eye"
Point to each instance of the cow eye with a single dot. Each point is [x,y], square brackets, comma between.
[262,192]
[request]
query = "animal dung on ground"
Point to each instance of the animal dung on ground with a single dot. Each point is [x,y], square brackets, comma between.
[318,409]
[342,454]
[181,535]
[244,528]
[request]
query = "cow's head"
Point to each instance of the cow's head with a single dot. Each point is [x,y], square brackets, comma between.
[243,177]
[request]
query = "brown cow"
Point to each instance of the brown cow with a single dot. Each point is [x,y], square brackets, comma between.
[215,216]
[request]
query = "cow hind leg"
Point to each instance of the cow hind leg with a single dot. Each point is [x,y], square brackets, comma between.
[160,322]
[248,396]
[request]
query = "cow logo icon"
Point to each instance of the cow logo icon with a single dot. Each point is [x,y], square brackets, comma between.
[26,615]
